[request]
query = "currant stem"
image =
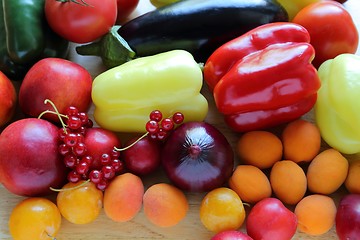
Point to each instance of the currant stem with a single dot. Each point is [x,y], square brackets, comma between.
[52,112]
[72,188]
[56,111]
[127,147]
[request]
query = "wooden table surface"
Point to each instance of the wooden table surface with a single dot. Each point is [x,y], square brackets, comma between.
[140,227]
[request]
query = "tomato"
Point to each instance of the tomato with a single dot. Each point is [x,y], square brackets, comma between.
[34,218]
[270,219]
[81,22]
[331,28]
[222,209]
[125,8]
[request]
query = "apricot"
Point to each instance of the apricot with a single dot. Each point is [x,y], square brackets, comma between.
[327,172]
[316,214]
[301,141]
[250,183]
[80,203]
[260,148]
[288,181]
[123,197]
[165,205]
[353,178]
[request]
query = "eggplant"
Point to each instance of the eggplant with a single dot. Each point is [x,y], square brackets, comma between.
[197,26]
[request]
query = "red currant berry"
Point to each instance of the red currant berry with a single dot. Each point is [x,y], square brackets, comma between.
[74,122]
[178,117]
[117,164]
[70,160]
[152,126]
[153,136]
[102,184]
[71,139]
[115,154]
[89,124]
[95,176]
[161,135]
[61,134]
[79,149]
[105,159]
[73,176]
[108,172]
[167,124]
[81,130]
[82,167]
[88,159]
[156,115]
[71,111]
[83,118]
[64,149]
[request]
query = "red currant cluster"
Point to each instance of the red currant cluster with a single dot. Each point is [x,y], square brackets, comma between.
[74,151]
[159,127]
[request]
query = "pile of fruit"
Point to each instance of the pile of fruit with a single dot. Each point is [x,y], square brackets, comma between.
[259,124]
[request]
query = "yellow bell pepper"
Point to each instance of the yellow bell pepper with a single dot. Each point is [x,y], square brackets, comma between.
[125,95]
[292,7]
[337,110]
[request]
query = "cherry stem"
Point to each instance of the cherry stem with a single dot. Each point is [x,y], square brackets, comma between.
[127,147]
[56,112]
[72,188]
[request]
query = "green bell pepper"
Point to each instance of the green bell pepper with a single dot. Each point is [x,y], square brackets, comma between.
[337,108]
[170,82]
[26,37]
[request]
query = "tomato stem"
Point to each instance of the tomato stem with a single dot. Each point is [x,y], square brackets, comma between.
[82,2]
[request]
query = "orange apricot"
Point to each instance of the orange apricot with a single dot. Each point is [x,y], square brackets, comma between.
[165,205]
[353,178]
[301,141]
[250,183]
[288,181]
[80,203]
[327,172]
[123,197]
[222,209]
[316,214]
[260,148]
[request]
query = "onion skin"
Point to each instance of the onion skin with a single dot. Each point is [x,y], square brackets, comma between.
[197,157]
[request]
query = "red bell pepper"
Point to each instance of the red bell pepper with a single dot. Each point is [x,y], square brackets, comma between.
[257,39]
[268,87]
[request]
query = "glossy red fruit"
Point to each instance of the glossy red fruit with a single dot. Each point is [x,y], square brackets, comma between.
[125,8]
[8,98]
[29,159]
[331,27]
[63,82]
[348,217]
[270,219]
[142,158]
[231,235]
[100,141]
[197,157]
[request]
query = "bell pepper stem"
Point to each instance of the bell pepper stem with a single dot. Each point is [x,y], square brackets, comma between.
[112,48]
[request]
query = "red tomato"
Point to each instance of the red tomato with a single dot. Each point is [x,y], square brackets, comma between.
[270,219]
[331,28]
[125,8]
[81,22]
